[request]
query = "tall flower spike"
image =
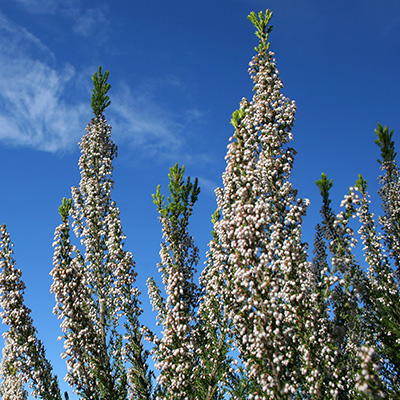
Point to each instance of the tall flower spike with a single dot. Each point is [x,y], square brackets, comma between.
[214,330]
[381,295]
[389,193]
[94,282]
[12,380]
[265,265]
[340,285]
[174,351]
[24,358]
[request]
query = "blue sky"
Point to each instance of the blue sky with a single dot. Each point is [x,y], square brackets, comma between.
[178,70]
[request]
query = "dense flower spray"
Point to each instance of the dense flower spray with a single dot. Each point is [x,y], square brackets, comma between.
[389,193]
[174,350]
[381,295]
[24,359]
[341,283]
[218,377]
[12,385]
[268,277]
[94,282]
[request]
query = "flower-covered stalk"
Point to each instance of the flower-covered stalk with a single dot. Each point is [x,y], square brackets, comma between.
[94,282]
[341,288]
[389,192]
[259,235]
[12,381]
[381,295]
[24,358]
[174,350]
[214,331]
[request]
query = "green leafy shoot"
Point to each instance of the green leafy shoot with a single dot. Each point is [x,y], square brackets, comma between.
[183,196]
[100,99]
[65,208]
[324,184]
[237,118]
[361,184]
[263,30]
[214,219]
[385,142]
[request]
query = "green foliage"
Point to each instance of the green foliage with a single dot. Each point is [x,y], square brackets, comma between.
[214,218]
[361,184]
[386,144]
[179,206]
[100,99]
[324,186]
[263,30]
[237,117]
[65,208]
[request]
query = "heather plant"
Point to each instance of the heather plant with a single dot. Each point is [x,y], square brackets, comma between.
[365,304]
[264,321]
[24,359]
[259,247]
[218,376]
[94,282]
[389,193]
[12,381]
[340,283]
[174,351]
[381,293]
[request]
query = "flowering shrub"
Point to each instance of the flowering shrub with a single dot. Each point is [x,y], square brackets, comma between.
[24,358]
[95,290]
[174,352]
[264,322]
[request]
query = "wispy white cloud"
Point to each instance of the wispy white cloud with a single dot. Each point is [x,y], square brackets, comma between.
[33,110]
[84,20]
[37,109]
[18,39]
[208,185]
[141,122]
[144,123]
[40,6]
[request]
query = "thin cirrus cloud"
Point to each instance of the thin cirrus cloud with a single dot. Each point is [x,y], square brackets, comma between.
[35,110]
[40,6]
[84,21]
[143,123]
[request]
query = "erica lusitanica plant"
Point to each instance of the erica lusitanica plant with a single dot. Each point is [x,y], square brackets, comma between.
[174,351]
[380,292]
[277,300]
[264,322]
[94,282]
[259,250]
[24,360]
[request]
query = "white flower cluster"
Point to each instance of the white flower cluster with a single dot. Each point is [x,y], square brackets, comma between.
[342,286]
[215,327]
[24,357]
[174,351]
[368,375]
[380,291]
[389,194]
[260,249]
[12,381]
[94,288]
